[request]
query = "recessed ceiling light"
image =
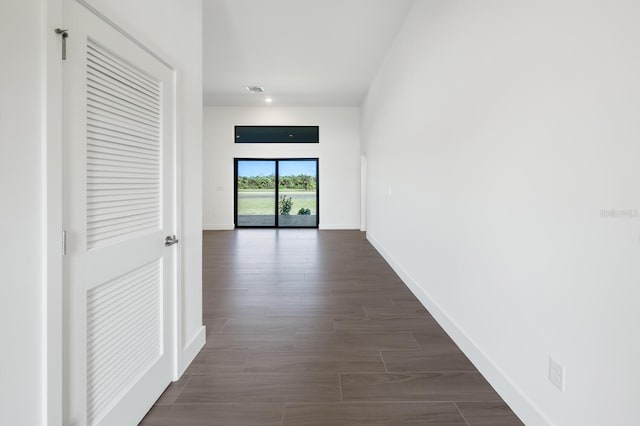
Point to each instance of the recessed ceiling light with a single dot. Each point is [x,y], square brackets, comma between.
[255,89]
[268,100]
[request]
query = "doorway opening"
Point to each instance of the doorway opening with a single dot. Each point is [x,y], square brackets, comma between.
[276,193]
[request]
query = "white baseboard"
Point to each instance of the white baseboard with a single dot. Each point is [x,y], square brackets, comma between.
[192,348]
[209,227]
[513,395]
[338,227]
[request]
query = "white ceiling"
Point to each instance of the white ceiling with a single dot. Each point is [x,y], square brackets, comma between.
[303,52]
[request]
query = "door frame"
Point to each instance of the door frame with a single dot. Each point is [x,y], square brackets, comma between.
[277,191]
[52,164]
[53,333]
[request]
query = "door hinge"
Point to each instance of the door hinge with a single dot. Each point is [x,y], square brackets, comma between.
[65,35]
[64,242]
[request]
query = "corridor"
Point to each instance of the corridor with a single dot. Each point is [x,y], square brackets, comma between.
[308,327]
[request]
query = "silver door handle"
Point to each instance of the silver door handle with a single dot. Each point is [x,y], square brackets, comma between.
[170,240]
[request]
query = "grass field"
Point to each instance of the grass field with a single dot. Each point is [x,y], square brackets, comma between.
[263,202]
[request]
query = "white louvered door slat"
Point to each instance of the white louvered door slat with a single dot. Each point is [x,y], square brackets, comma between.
[125,72]
[124,329]
[119,205]
[110,104]
[104,223]
[110,119]
[111,342]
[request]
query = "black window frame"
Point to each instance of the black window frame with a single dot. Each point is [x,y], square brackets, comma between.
[277,133]
[277,192]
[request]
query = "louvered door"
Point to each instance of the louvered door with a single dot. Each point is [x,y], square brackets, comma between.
[120,203]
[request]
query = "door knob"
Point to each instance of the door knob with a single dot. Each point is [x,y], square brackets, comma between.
[170,240]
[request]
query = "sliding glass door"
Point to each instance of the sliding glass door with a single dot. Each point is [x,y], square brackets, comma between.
[298,193]
[276,193]
[256,193]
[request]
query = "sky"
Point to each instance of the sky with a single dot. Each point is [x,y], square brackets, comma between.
[287,168]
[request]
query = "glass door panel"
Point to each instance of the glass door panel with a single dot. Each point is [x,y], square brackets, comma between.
[276,193]
[256,193]
[298,193]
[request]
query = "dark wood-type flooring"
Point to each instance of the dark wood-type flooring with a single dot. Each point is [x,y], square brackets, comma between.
[313,328]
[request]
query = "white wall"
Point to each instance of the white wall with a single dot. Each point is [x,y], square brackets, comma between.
[29,162]
[338,153]
[21,201]
[503,127]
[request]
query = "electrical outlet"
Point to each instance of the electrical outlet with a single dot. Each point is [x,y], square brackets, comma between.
[556,374]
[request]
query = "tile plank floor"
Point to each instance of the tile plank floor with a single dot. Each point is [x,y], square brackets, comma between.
[313,328]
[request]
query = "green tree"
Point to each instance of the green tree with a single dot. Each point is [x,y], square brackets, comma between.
[286,204]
